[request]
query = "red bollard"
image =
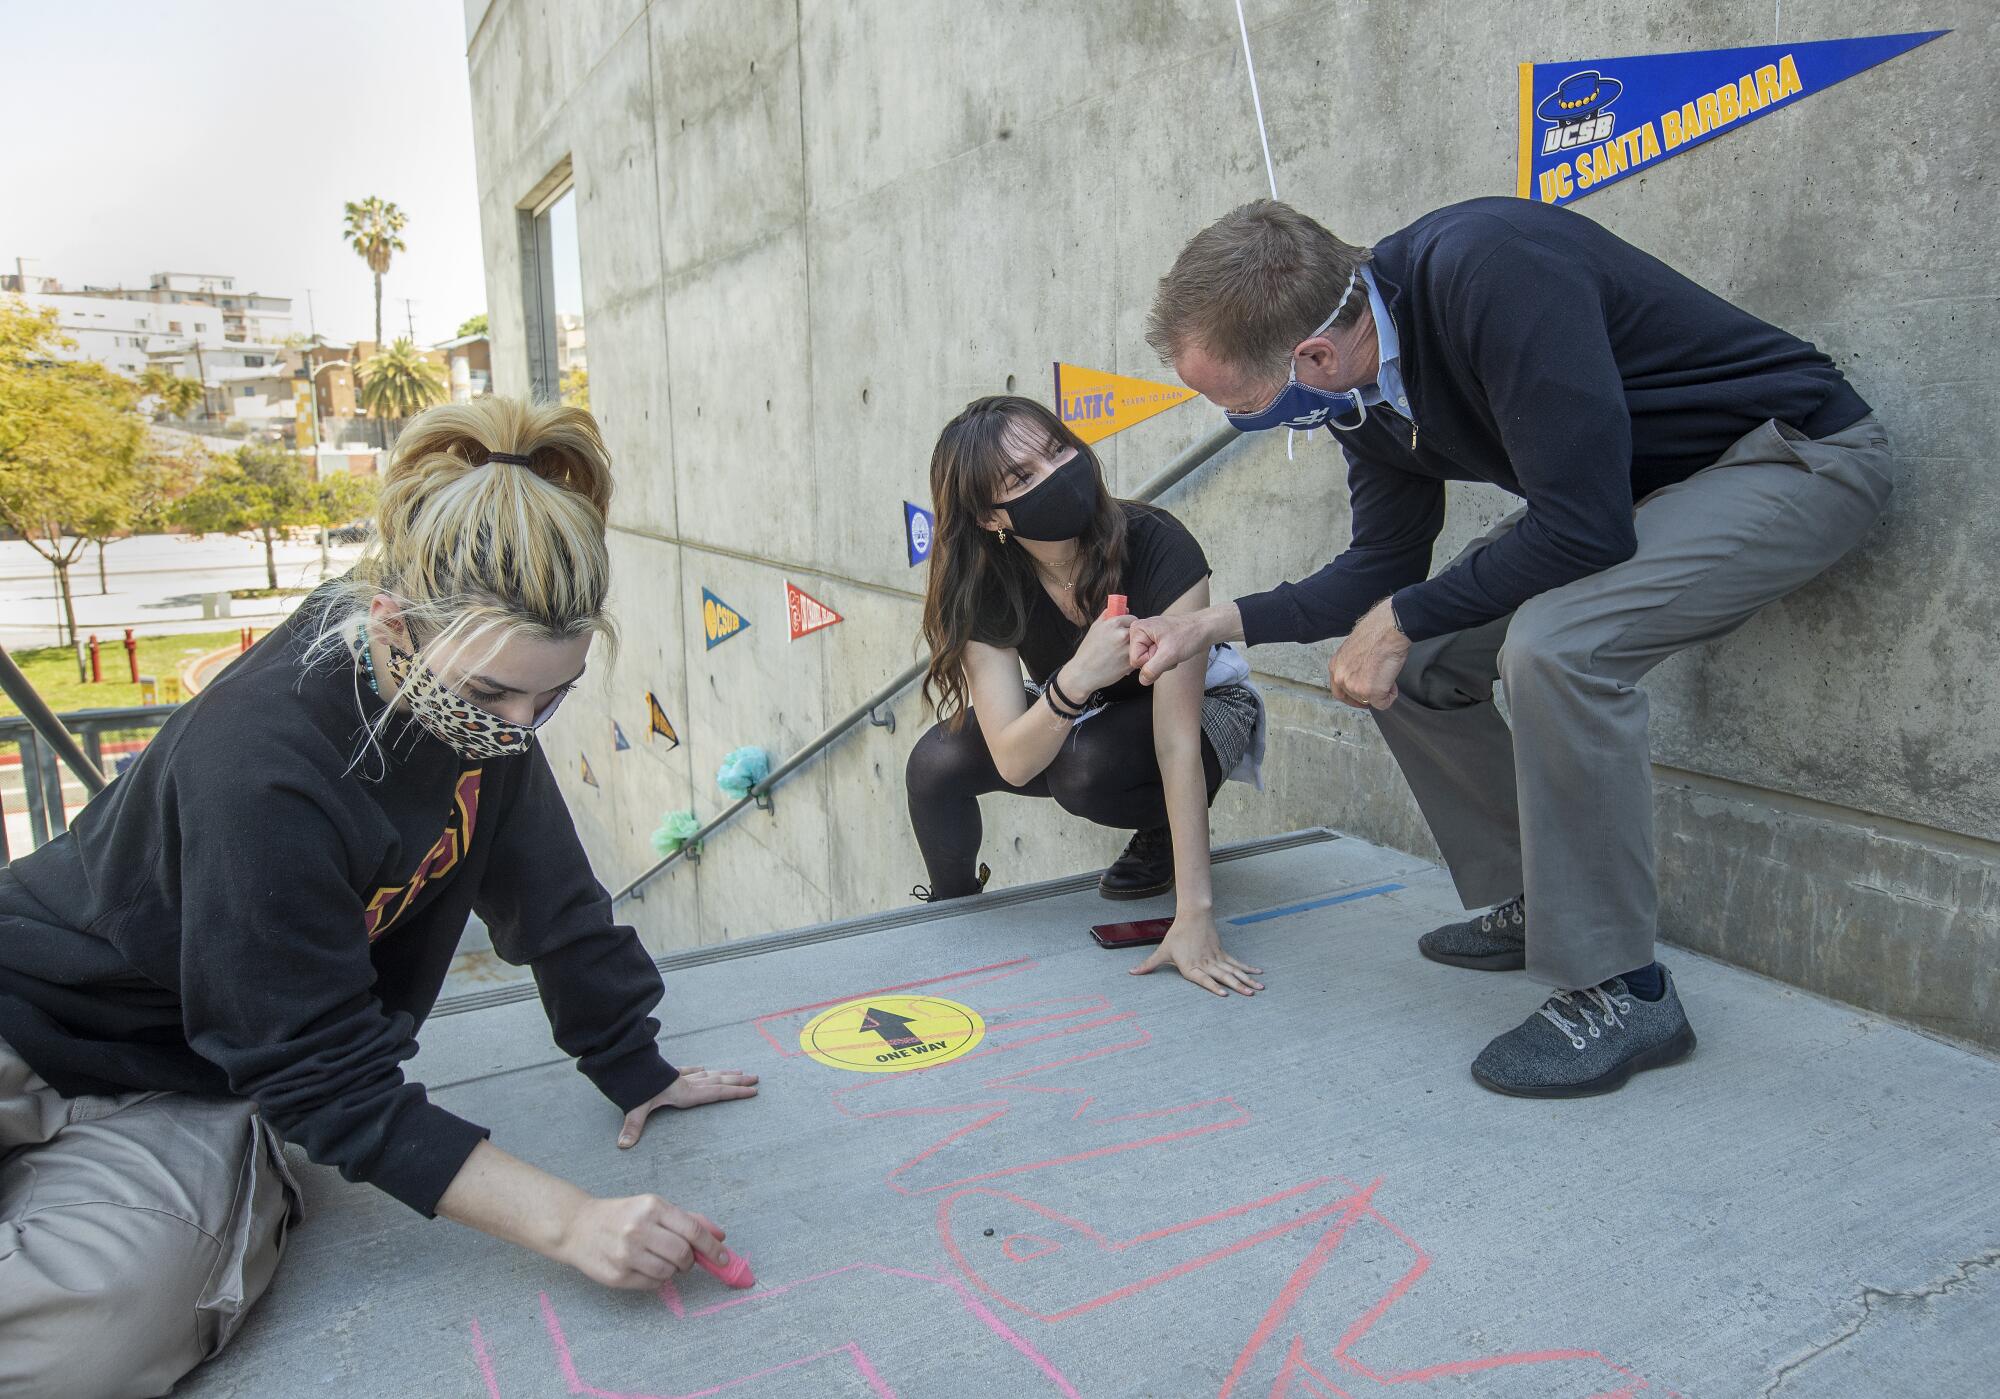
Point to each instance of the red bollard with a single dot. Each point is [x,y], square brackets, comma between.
[132,654]
[96,662]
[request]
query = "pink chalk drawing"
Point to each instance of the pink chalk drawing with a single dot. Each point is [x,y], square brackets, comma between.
[1002,1354]
[1016,1111]
[1019,1248]
[1024,1105]
[1333,1207]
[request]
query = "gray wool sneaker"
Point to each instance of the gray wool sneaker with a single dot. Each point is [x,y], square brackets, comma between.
[1495,941]
[1585,1042]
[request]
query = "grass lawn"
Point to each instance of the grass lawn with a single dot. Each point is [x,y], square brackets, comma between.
[53,669]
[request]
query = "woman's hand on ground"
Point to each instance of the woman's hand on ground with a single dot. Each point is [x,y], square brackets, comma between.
[1102,658]
[1196,952]
[693,1088]
[635,1241]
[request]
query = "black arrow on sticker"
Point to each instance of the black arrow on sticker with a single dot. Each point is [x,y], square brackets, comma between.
[894,1029]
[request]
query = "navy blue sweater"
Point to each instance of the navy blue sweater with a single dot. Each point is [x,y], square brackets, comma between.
[1548,357]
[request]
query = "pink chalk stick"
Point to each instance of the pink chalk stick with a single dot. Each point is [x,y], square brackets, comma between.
[731,1270]
[1115,605]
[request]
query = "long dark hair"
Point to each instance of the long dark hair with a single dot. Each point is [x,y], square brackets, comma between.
[974,575]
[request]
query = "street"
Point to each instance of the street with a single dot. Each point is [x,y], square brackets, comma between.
[157,582]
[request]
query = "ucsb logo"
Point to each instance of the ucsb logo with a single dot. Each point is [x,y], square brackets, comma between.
[1576,111]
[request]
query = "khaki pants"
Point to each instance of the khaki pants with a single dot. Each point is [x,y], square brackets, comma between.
[136,1232]
[1560,806]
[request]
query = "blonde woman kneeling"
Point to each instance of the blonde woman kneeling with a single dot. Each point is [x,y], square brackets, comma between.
[237,941]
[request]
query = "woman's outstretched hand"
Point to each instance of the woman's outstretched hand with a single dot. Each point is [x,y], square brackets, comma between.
[692,1089]
[1196,952]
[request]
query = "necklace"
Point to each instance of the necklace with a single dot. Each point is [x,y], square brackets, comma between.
[1048,577]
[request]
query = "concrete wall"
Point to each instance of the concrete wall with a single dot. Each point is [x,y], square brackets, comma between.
[812,229]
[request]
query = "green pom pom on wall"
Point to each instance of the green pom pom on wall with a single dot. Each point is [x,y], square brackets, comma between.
[676,832]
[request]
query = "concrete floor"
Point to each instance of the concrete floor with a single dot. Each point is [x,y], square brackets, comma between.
[1132,1188]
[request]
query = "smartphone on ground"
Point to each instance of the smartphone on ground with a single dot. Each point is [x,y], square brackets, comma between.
[1142,933]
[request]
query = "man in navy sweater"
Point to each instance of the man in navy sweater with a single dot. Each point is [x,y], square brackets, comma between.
[1682,464]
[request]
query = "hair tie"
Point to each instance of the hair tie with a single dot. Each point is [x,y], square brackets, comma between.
[512,458]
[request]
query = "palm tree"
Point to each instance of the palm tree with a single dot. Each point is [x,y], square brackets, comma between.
[372,226]
[400,382]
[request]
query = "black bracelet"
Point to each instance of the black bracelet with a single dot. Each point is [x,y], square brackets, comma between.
[1069,708]
[1057,709]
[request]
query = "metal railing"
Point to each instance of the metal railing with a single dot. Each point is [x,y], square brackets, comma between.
[1175,472]
[43,758]
[42,720]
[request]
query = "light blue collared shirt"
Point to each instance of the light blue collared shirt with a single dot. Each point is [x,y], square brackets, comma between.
[1388,386]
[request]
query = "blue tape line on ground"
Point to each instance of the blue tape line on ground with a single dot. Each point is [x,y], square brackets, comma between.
[1288,909]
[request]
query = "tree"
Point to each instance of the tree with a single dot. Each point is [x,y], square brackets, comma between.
[372,226]
[111,516]
[400,382]
[172,393]
[576,388]
[163,474]
[69,445]
[472,325]
[262,492]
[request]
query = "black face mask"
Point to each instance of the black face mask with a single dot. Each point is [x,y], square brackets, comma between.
[1060,506]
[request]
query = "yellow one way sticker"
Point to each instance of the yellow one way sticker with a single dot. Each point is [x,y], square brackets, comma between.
[892,1034]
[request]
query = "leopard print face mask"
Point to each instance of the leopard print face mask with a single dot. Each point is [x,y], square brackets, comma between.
[463,727]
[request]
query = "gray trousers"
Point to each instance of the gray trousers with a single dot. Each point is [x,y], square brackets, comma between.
[136,1232]
[1561,807]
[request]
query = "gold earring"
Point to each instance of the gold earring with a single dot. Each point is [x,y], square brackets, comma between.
[1003,536]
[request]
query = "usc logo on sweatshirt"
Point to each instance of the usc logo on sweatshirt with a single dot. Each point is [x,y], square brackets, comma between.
[392,901]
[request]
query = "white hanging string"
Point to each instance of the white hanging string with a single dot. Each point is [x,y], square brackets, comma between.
[1250,66]
[1263,136]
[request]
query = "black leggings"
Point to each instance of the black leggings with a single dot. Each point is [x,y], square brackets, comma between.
[1106,771]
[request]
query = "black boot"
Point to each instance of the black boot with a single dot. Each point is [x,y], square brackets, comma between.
[923,895]
[1145,869]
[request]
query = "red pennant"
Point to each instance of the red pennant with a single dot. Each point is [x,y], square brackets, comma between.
[808,614]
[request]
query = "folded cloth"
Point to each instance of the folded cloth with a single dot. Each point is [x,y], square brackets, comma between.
[1228,675]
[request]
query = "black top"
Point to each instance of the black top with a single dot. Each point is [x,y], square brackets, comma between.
[1162,561]
[1545,355]
[241,913]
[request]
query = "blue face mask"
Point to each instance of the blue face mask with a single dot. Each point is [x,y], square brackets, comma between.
[1301,406]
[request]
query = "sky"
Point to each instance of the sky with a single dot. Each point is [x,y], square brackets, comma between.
[224,137]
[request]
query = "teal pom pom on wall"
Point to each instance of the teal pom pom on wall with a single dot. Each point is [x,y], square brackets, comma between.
[742,770]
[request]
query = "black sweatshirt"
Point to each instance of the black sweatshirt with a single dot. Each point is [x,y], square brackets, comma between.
[245,911]
[1547,356]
